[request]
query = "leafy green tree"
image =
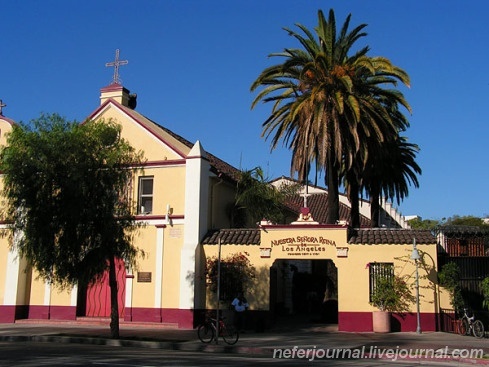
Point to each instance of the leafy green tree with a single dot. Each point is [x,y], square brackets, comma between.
[64,185]
[326,100]
[468,220]
[417,223]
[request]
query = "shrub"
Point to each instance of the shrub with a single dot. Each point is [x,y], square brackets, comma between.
[236,273]
[449,278]
[485,292]
[392,294]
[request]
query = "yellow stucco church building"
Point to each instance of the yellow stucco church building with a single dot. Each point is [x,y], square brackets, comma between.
[182,196]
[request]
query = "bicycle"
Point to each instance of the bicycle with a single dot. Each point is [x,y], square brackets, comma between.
[469,325]
[207,332]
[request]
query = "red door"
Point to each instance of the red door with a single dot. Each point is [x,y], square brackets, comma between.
[98,294]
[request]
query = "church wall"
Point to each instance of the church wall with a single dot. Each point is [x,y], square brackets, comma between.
[158,299]
[45,301]
[5,128]
[171,269]
[38,289]
[4,249]
[168,189]
[162,238]
[139,137]
[143,292]
[221,195]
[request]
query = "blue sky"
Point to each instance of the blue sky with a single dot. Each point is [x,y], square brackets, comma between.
[192,62]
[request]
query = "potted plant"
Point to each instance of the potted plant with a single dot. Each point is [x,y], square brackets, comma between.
[390,294]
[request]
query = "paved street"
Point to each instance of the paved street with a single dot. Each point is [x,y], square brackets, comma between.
[38,354]
[75,344]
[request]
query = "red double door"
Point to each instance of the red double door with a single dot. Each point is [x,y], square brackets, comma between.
[98,294]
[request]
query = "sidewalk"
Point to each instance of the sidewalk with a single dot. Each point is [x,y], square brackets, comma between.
[317,341]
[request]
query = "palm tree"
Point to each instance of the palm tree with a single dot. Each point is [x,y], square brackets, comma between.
[325,101]
[390,172]
[256,199]
[370,157]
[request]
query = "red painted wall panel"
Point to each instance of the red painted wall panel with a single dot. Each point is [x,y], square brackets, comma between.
[362,321]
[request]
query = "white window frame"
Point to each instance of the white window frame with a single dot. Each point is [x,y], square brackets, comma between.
[143,197]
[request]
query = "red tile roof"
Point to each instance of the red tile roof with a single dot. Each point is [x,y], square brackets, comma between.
[232,237]
[374,236]
[363,236]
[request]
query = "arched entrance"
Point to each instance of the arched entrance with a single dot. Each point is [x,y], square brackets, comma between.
[304,291]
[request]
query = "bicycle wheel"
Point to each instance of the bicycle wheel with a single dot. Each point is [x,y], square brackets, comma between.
[478,329]
[463,327]
[230,334]
[206,333]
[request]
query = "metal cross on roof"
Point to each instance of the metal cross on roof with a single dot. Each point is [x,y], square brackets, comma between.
[116,63]
[1,106]
[305,195]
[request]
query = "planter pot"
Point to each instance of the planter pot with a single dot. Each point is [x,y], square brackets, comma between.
[381,321]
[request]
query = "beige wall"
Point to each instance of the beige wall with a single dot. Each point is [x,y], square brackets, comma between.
[168,189]
[139,137]
[351,260]
[221,194]
[37,293]
[3,266]
[5,128]
[171,266]
[143,293]
[353,274]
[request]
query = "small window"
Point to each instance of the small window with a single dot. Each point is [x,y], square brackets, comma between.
[145,201]
[379,270]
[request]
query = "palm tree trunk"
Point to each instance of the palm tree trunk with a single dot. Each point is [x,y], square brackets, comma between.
[333,191]
[353,192]
[374,207]
[114,306]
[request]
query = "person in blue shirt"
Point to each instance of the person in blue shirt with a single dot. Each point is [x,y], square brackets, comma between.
[240,305]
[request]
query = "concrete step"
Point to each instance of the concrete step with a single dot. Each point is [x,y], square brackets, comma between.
[100,321]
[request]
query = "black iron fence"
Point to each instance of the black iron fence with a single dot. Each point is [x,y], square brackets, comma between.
[472,271]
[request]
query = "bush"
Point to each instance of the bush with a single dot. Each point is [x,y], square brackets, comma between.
[449,278]
[392,294]
[485,292]
[236,273]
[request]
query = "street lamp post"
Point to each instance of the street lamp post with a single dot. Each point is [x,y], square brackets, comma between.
[415,256]
[218,290]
